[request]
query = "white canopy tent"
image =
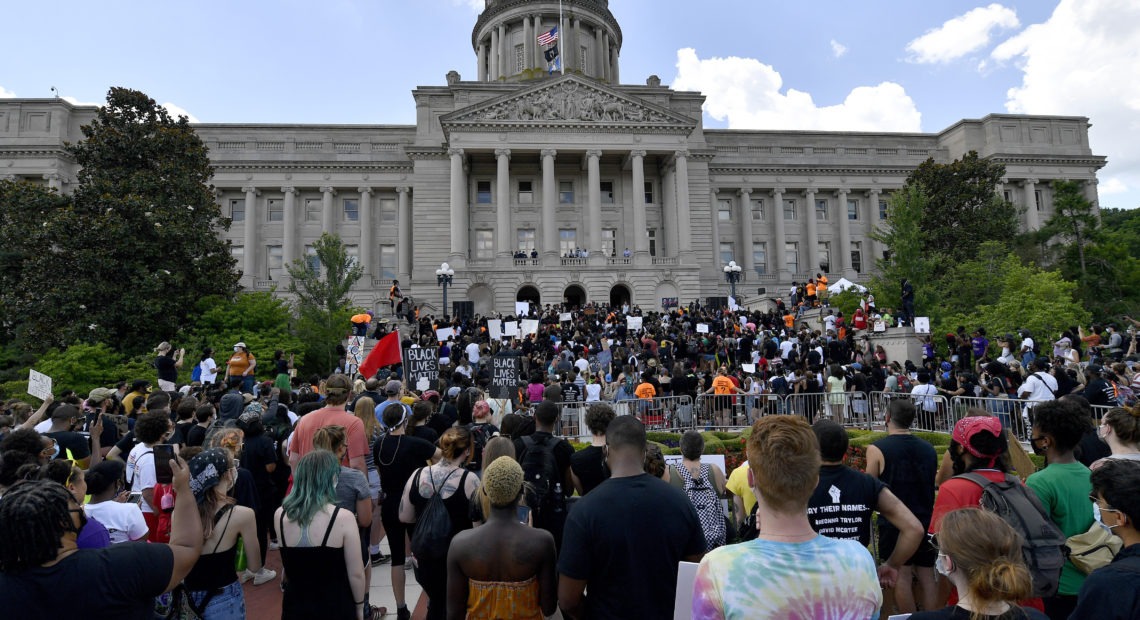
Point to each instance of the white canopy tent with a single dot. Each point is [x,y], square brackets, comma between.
[843,284]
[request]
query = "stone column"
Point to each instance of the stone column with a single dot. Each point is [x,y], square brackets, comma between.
[576,53]
[715,218]
[55,181]
[594,206]
[1091,194]
[458,207]
[249,266]
[614,77]
[481,54]
[780,263]
[684,219]
[811,231]
[872,246]
[669,208]
[404,235]
[328,216]
[289,224]
[549,204]
[640,227]
[366,228]
[844,263]
[1032,217]
[503,202]
[605,53]
[539,60]
[504,62]
[747,261]
[494,51]
[599,55]
[529,42]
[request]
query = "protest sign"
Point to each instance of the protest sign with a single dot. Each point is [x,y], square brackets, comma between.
[422,364]
[39,385]
[702,328]
[506,374]
[528,326]
[443,334]
[522,308]
[495,329]
[922,325]
[633,323]
[564,317]
[511,328]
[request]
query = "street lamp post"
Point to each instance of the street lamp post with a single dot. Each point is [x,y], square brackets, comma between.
[443,277]
[732,276]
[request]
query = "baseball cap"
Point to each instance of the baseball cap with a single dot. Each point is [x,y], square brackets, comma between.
[967,427]
[430,394]
[240,344]
[453,392]
[393,387]
[99,395]
[1095,369]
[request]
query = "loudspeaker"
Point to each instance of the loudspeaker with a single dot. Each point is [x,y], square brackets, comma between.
[462,310]
[716,302]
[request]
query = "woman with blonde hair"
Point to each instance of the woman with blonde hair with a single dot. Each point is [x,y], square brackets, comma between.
[364,409]
[980,554]
[1120,429]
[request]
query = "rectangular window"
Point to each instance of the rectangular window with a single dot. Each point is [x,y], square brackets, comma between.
[1038,199]
[1007,195]
[821,209]
[526,240]
[567,241]
[757,209]
[311,259]
[351,210]
[609,241]
[484,244]
[792,257]
[727,253]
[760,257]
[852,209]
[237,209]
[388,262]
[274,210]
[526,192]
[649,192]
[274,261]
[882,209]
[352,252]
[483,192]
[520,59]
[584,57]
[857,256]
[313,208]
[790,209]
[566,192]
[724,210]
[607,188]
[824,256]
[388,211]
[653,242]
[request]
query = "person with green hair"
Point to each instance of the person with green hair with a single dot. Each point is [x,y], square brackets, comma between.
[320,545]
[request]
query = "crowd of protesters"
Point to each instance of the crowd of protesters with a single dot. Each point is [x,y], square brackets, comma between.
[501,517]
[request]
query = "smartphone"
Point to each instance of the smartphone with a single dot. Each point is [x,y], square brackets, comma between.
[134,497]
[163,453]
[524,515]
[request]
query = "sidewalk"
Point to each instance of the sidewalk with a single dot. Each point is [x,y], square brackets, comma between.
[264,602]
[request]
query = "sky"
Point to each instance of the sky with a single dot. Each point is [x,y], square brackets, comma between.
[875,65]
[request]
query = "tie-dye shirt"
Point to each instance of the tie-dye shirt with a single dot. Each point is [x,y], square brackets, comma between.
[821,579]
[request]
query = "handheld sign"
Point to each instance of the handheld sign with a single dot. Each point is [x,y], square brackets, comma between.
[633,323]
[511,328]
[529,326]
[564,317]
[506,373]
[443,334]
[522,308]
[702,328]
[422,365]
[495,329]
[39,385]
[922,325]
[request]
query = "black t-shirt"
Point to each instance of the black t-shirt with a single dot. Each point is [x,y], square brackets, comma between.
[1091,448]
[444,418]
[625,539]
[842,503]
[110,429]
[957,613]
[257,453]
[571,393]
[588,464]
[909,467]
[118,582]
[426,433]
[396,458]
[70,441]
[166,369]
[196,436]
[1099,393]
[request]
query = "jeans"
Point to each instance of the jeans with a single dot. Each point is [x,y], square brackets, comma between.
[226,605]
[247,384]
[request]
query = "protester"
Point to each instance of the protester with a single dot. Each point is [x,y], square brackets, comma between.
[540,454]
[94,534]
[241,366]
[337,392]
[1110,593]
[107,486]
[587,466]
[704,485]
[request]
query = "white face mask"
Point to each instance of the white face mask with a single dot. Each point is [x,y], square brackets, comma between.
[237,349]
[939,565]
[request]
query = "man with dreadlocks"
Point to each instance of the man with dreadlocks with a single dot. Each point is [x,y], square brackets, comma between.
[40,563]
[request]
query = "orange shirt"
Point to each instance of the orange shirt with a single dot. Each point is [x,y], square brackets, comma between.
[789,320]
[645,390]
[238,363]
[722,385]
[810,289]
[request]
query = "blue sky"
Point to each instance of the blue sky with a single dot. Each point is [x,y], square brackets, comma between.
[900,65]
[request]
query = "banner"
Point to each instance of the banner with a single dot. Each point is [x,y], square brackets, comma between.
[421,367]
[506,375]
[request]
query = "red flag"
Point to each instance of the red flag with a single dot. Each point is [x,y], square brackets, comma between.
[385,353]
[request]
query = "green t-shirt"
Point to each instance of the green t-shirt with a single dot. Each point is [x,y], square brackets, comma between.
[1064,489]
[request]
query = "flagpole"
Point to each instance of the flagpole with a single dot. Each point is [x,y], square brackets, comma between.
[561,34]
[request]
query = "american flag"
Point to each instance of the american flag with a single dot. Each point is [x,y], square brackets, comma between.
[548,37]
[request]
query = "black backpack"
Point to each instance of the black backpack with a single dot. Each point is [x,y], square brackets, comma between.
[481,433]
[540,471]
[1042,542]
[432,535]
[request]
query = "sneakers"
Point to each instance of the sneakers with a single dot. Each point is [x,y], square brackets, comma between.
[402,613]
[380,558]
[273,546]
[263,576]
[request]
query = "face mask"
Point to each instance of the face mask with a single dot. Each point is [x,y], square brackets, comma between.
[55,451]
[237,349]
[940,566]
[1102,432]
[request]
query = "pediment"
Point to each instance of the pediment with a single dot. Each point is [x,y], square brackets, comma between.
[572,103]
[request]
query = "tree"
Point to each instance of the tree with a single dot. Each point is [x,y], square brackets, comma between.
[321,284]
[909,256]
[963,209]
[1074,223]
[24,210]
[137,245]
[261,320]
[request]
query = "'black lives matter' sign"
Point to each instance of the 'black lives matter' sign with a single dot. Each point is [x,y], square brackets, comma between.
[422,367]
[506,373]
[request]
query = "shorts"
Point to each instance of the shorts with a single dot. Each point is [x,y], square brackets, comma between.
[374,484]
[889,536]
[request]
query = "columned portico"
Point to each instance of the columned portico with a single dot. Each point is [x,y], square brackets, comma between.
[366,232]
[289,224]
[594,206]
[875,248]
[640,224]
[779,239]
[249,264]
[684,216]
[843,264]
[1029,202]
[328,215]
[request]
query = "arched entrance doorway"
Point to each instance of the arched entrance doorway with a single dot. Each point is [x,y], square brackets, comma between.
[574,296]
[620,295]
[530,294]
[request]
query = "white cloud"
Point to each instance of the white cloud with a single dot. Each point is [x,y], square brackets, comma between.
[838,49]
[747,93]
[1082,61]
[961,35]
[177,111]
[6,94]
[475,5]
[74,101]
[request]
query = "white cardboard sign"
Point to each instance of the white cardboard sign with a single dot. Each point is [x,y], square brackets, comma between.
[922,325]
[39,385]
[702,328]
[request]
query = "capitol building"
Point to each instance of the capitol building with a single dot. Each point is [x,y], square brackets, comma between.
[575,186]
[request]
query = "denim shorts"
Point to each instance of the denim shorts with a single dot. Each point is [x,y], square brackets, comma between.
[229,604]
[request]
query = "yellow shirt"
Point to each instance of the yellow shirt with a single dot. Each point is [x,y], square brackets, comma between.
[738,484]
[645,390]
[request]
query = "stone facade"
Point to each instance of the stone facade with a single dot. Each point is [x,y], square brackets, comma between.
[522,160]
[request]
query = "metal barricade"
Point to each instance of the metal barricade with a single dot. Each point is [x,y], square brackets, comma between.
[810,406]
[721,411]
[1015,414]
[932,413]
[572,423]
[663,413]
[1099,411]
